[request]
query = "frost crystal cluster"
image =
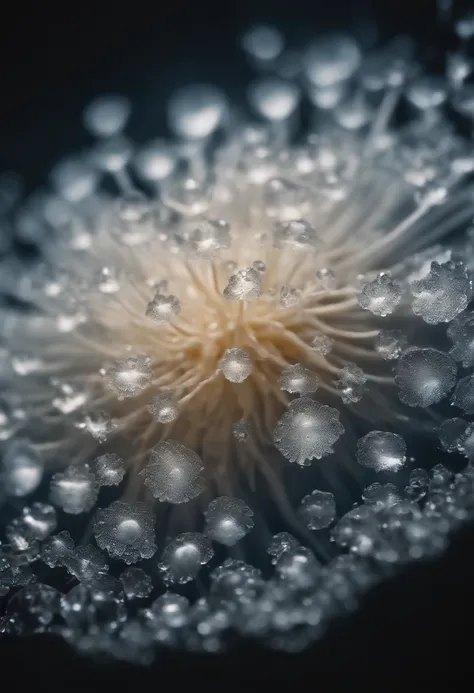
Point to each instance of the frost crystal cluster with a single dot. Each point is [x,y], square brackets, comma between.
[205,316]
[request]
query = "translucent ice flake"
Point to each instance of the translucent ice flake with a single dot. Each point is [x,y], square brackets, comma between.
[241,430]
[95,605]
[286,200]
[163,308]
[171,609]
[389,344]
[463,396]
[461,333]
[318,509]
[298,379]
[243,285]
[164,408]
[323,344]
[380,296]
[281,542]
[109,469]
[417,486]
[351,383]
[424,376]
[295,234]
[36,522]
[86,563]
[184,556]
[21,470]
[174,472]
[98,425]
[443,294]
[125,531]
[208,237]
[381,495]
[299,567]
[57,549]
[228,520]
[381,451]
[307,431]
[236,365]
[136,583]
[75,490]
[129,377]
[290,296]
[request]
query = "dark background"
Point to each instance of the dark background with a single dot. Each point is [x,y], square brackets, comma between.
[414,632]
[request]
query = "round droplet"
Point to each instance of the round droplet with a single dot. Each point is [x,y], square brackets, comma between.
[107,115]
[196,111]
[331,59]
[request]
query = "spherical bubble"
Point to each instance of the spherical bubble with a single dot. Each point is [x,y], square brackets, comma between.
[318,509]
[298,379]
[109,469]
[184,556]
[130,377]
[273,98]
[125,531]
[243,285]
[331,59]
[163,408]
[380,296]
[381,451]
[156,161]
[107,115]
[228,520]
[174,472]
[113,155]
[307,431]
[424,376]
[236,365]
[22,468]
[196,111]
[75,490]
[74,179]
[427,92]
[263,42]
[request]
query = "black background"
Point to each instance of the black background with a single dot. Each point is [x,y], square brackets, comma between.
[415,632]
